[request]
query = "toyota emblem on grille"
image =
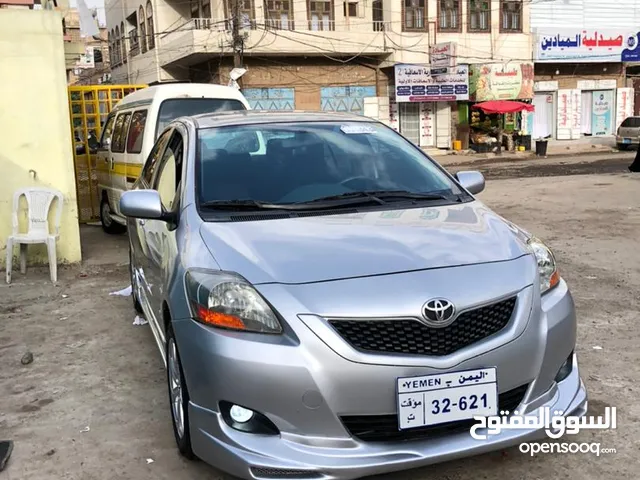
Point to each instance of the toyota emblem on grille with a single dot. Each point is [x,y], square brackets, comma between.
[439,312]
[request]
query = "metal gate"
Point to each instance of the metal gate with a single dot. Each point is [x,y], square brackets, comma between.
[345,99]
[270,98]
[89,107]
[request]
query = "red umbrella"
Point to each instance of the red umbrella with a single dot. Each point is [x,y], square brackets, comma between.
[503,106]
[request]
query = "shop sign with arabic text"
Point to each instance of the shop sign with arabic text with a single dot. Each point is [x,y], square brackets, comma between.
[587,45]
[501,81]
[415,83]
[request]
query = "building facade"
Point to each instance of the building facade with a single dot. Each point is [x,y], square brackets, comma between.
[93,66]
[582,50]
[324,54]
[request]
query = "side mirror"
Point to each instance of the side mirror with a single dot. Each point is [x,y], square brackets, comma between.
[473,182]
[144,204]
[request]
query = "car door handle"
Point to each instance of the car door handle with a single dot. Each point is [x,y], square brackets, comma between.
[142,222]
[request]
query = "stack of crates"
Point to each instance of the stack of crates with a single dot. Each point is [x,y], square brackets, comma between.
[89,107]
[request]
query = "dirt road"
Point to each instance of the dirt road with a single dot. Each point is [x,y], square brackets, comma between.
[93,403]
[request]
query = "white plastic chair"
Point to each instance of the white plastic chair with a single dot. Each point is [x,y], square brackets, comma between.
[39,203]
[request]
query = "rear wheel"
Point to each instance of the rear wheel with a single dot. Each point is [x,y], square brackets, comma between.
[622,147]
[178,397]
[109,225]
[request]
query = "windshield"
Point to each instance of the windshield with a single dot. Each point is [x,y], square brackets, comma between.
[179,107]
[309,161]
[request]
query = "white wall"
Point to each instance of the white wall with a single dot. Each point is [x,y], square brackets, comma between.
[585,14]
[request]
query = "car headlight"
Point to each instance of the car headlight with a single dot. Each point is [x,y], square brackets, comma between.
[224,300]
[549,276]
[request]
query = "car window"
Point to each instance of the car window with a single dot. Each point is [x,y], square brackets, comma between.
[120,132]
[177,107]
[306,161]
[107,131]
[631,122]
[136,131]
[154,157]
[168,177]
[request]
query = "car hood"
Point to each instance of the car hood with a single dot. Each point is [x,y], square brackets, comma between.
[332,247]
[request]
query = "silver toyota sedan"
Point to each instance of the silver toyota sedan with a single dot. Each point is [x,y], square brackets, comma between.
[330,303]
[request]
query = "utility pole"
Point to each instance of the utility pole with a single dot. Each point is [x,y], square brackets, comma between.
[237,41]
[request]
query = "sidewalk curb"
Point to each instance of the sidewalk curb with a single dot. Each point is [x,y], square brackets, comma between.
[484,159]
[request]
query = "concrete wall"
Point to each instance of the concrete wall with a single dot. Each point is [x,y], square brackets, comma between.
[34,121]
[569,74]
[306,77]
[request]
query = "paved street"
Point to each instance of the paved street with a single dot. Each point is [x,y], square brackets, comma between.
[93,403]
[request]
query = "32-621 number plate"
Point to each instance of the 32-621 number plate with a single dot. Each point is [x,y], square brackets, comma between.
[446,397]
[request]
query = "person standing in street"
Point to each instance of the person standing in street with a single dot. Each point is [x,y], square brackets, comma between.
[635,166]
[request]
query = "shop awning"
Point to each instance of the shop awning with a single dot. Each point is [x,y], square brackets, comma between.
[503,106]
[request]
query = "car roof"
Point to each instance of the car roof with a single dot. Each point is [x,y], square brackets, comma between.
[244,117]
[207,90]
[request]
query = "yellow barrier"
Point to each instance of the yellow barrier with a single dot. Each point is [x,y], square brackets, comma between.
[89,107]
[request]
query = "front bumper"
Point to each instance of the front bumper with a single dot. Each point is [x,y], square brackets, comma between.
[305,386]
[291,456]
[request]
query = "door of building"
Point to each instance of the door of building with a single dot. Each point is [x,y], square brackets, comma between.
[543,117]
[410,121]
[587,108]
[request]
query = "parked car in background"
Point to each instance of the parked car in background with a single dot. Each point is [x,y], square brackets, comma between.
[133,126]
[628,134]
[335,304]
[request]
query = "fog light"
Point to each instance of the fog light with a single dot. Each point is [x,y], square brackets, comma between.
[565,369]
[240,414]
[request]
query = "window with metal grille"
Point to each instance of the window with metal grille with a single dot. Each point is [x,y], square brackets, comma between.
[511,16]
[123,43]
[320,15]
[449,16]
[247,13]
[142,24]
[479,16]
[279,14]
[151,39]
[378,16]
[117,53]
[350,9]
[414,15]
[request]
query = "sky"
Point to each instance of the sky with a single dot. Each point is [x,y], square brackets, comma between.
[98,4]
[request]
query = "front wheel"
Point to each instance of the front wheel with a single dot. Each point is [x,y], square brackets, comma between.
[109,225]
[178,398]
[134,285]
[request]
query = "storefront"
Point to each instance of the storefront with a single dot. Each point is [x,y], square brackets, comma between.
[500,81]
[580,88]
[421,103]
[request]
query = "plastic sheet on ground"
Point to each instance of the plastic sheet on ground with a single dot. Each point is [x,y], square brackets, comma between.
[139,320]
[125,292]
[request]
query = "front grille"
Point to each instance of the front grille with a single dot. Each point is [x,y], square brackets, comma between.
[410,336]
[384,428]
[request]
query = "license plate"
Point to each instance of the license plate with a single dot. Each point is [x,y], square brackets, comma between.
[626,140]
[446,397]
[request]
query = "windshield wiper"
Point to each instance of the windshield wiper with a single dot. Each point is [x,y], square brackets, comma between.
[257,205]
[378,196]
[240,205]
